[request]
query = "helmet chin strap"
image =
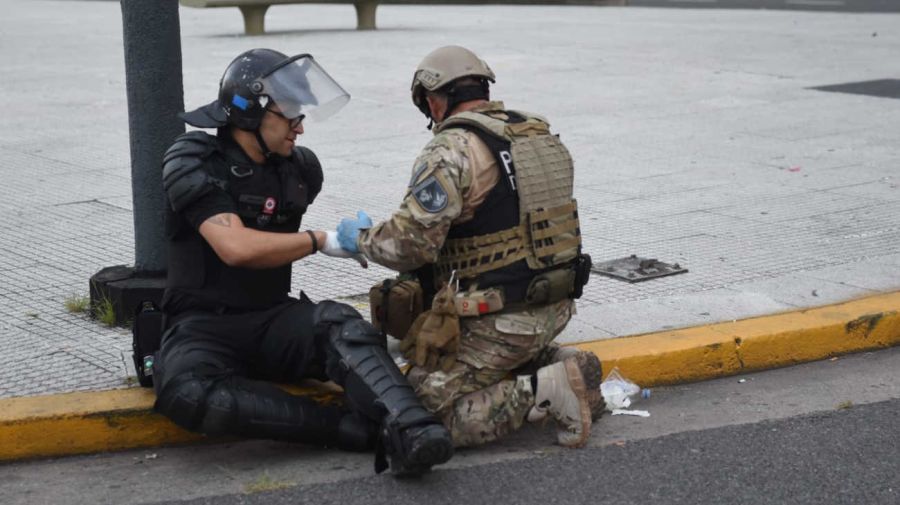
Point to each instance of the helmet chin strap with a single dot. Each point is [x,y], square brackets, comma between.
[262,145]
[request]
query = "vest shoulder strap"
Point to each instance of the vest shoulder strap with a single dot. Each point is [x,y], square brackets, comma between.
[504,125]
[310,170]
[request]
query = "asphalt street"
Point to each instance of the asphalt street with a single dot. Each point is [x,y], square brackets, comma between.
[823,432]
[845,456]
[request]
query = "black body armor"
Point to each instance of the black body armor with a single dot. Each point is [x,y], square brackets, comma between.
[272,197]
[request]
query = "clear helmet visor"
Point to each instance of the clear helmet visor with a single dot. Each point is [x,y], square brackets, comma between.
[301,86]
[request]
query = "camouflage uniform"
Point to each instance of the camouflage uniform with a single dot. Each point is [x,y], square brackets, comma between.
[451,177]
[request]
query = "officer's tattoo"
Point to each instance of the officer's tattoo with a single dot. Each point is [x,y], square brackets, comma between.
[221,220]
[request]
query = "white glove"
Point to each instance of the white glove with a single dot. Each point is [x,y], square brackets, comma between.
[332,247]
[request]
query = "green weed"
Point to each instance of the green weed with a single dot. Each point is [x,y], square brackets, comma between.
[77,304]
[105,312]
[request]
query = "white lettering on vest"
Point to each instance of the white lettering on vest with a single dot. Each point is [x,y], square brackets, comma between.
[507,165]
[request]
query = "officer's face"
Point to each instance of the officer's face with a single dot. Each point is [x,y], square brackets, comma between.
[276,130]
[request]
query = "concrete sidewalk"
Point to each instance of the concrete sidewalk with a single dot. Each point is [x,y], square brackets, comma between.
[696,138]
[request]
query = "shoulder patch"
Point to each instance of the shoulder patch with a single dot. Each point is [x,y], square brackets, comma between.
[431,195]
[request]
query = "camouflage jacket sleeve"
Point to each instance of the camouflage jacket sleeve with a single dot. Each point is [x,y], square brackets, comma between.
[415,233]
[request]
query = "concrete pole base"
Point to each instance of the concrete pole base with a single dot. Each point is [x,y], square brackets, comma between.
[254,19]
[365,15]
[121,290]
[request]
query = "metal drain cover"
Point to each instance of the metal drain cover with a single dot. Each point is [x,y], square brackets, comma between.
[636,269]
[885,88]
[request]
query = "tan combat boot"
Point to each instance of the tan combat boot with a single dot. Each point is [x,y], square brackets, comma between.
[561,393]
[592,371]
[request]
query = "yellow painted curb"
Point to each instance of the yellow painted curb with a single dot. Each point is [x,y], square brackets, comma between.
[716,350]
[97,421]
[79,423]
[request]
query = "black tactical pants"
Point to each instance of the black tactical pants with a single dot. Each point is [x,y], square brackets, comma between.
[214,374]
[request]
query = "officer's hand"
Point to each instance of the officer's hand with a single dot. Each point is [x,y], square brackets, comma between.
[348,230]
[332,247]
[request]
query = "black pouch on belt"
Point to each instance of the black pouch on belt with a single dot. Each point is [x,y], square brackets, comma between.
[146,335]
[582,268]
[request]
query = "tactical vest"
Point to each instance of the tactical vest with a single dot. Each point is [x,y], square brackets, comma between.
[528,224]
[272,197]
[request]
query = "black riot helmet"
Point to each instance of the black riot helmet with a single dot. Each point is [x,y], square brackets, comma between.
[258,77]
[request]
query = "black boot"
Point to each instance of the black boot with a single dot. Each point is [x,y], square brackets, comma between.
[414,450]
[412,438]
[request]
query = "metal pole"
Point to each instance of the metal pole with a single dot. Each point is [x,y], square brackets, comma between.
[152,39]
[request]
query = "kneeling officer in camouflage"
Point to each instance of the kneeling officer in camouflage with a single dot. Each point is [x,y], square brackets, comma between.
[490,227]
[236,203]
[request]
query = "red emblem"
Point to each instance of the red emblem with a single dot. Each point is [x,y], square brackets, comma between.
[269,206]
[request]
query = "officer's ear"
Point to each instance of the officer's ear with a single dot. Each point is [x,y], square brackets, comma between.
[437,103]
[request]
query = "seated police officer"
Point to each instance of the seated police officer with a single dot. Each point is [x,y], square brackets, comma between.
[236,203]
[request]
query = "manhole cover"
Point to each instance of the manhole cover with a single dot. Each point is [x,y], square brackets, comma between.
[636,269]
[885,88]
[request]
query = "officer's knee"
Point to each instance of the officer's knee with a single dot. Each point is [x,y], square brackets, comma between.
[358,332]
[196,404]
[329,313]
[348,344]
[220,417]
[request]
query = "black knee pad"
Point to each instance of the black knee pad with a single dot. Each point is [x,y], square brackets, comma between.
[349,340]
[329,313]
[221,412]
[183,400]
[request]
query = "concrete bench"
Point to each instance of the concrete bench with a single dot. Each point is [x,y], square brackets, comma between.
[254,11]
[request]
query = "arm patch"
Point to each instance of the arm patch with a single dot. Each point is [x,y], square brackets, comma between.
[431,195]
[185,179]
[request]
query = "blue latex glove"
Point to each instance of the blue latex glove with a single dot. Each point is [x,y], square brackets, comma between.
[348,230]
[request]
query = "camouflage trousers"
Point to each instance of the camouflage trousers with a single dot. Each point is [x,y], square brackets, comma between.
[475,399]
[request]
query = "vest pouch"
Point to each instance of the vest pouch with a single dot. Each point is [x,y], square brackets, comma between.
[146,336]
[551,287]
[554,235]
[432,341]
[394,305]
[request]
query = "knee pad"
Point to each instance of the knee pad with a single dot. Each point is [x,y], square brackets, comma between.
[349,342]
[329,313]
[221,413]
[183,400]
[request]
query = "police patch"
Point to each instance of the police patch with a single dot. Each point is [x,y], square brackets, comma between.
[431,195]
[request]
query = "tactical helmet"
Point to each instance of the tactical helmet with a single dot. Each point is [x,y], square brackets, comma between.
[297,85]
[443,66]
